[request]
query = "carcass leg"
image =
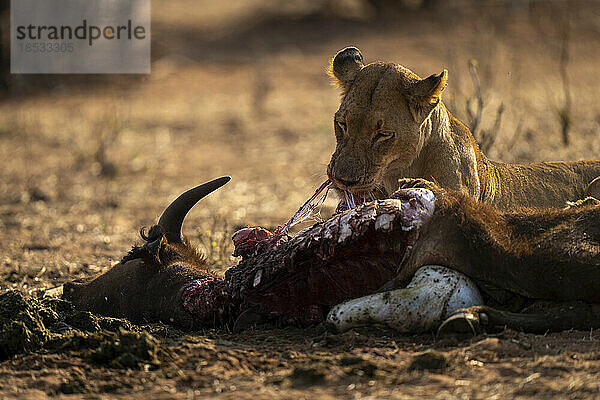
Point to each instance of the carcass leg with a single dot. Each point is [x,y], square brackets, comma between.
[434,293]
[542,317]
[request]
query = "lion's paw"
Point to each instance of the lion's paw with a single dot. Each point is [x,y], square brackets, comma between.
[411,183]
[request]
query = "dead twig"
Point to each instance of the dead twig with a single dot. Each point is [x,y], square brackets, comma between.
[488,137]
[564,113]
[107,130]
[485,138]
[515,137]
[474,116]
[216,242]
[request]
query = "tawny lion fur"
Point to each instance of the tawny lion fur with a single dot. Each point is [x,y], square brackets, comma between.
[391,124]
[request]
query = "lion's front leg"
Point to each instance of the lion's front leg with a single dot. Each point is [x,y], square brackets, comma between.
[433,295]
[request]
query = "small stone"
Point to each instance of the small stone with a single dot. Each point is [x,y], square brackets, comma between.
[74,385]
[428,361]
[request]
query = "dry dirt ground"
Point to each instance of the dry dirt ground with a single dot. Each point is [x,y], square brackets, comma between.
[240,89]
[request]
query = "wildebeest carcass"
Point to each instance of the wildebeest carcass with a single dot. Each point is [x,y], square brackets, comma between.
[423,258]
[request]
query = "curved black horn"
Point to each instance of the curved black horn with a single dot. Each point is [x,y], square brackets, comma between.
[172,218]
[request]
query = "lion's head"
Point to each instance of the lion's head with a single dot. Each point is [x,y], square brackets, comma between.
[378,126]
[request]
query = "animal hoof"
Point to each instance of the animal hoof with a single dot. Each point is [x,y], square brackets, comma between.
[461,323]
[330,327]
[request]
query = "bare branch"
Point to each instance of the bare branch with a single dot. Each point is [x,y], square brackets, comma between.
[564,113]
[488,137]
[475,117]
[485,138]
[515,138]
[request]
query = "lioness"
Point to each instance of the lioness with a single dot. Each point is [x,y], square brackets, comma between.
[392,124]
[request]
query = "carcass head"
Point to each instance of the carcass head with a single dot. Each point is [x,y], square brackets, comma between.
[124,290]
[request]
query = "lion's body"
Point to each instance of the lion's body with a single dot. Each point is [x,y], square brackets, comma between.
[392,124]
[457,163]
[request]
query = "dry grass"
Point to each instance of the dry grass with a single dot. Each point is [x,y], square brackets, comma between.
[241,90]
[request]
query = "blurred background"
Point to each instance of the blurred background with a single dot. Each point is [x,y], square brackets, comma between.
[240,88]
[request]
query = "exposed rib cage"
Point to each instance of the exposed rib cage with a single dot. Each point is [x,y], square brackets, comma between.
[349,255]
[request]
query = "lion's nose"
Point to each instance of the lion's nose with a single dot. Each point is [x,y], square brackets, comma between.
[348,183]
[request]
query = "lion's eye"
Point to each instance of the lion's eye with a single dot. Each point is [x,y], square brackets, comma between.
[342,126]
[381,136]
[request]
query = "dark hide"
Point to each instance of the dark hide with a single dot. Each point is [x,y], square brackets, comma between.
[548,254]
[514,257]
[145,286]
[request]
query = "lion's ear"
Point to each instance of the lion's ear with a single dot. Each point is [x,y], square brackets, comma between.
[345,65]
[426,93]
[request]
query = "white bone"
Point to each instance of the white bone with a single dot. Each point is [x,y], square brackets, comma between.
[434,293]
[345,228]
[384,222]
